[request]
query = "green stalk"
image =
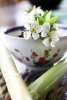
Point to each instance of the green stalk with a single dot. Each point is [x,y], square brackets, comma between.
[48,80]
[15,84]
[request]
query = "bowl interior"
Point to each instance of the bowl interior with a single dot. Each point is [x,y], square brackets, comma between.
[15,31]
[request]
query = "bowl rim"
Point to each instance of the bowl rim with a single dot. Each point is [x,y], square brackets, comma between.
[17,28]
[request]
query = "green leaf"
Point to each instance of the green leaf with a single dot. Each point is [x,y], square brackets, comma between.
[22,32]
[53,20]
[52,28]
[29,10]
[45,13]
[36,16]
[47,17]
[41,20]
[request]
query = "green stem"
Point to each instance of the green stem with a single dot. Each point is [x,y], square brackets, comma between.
[47,81]
[15,84]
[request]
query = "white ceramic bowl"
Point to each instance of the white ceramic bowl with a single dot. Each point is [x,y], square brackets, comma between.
[34,53]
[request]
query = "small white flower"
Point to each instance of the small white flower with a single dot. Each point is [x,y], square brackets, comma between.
[27,35]
[34,28]
[46,42]
[37,28]
[54,37]
[55,26]
[39,11]
[35,36]
[46,26]
[29,17]
[51,37]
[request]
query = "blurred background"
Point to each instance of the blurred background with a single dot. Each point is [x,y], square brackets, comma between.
[11,11]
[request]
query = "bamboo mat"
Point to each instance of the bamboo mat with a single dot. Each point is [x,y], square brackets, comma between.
[59,91]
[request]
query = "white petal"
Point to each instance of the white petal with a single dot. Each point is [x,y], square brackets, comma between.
[43,34]
[46,26]
[35,36]
[35,24]
[40,11]
[27,35]
[37,11]
[55,33]
[46,42]
[55,26]
[33,12]
[39,29]
[27,26]
[30,18]
[52,44]
[55,39]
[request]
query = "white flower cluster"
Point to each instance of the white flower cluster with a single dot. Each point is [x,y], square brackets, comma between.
[39,26]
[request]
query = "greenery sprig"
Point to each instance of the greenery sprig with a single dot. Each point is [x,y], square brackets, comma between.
[40,24]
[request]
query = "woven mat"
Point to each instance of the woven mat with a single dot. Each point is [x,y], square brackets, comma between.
[59,91]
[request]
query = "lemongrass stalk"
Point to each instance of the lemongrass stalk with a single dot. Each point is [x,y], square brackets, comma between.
[15,84]
[48,80]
